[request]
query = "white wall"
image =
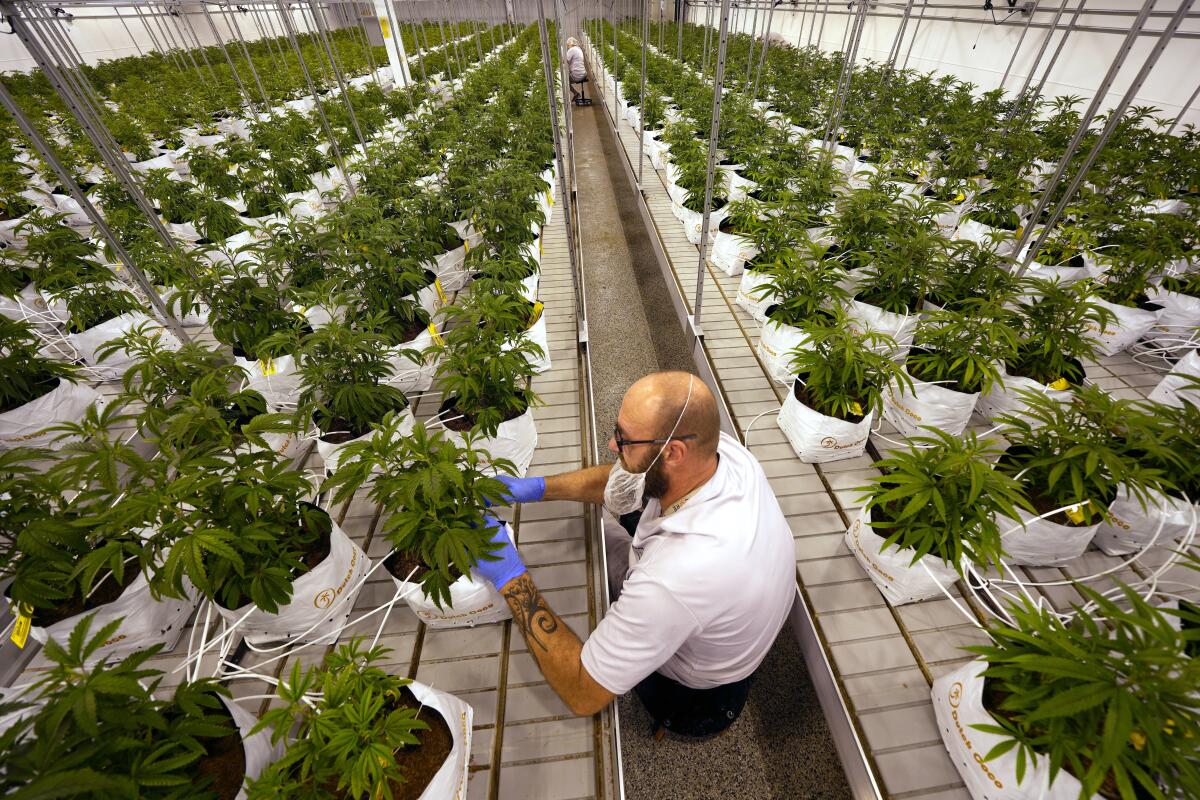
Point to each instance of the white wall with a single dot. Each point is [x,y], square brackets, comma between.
[979,51]
[99,35]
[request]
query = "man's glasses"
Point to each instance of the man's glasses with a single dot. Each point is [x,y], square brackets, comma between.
[622,442]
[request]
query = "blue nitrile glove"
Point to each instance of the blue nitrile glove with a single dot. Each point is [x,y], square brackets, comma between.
[523,490]
[504,563]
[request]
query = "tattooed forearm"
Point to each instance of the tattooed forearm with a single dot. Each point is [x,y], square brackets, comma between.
[530,612]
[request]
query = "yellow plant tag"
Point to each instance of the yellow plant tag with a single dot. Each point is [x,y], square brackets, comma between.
[466,247]
[267,366]
[1075,514]
[437,337]
[20,631]
[855,408]
[441,293]
[1020,229]
[958,198]
[385,28]
[549,197]
[1060,384]
[538,307]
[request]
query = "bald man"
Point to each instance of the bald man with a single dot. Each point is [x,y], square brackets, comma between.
[710,573]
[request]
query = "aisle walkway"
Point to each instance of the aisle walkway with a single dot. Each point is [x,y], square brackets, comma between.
[781,746]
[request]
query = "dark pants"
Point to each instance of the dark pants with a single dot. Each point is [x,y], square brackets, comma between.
[575,94]
[682,709]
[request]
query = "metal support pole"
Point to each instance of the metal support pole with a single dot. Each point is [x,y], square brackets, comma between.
[154,43]
[843,88]
[68,182]
[185,45]
[894,53]
[762,59]
[569,114]
[1041,52]
[565,191]
[916,30]
[237,33]
[1184,110]
[753,35]
[642,98]
[187,20]
[128,33]
[682,24]
[213,27]
[821,32]
[322,30]
[320,109]
[713,136]
[1024,30]
[1113,121]
[707,37]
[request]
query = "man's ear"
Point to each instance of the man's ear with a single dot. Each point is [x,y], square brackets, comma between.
[675,453]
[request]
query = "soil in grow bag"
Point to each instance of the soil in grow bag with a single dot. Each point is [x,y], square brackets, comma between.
[1052,255]
[343,431]
[304,330]
[106,591]
[801,393]
[774,313]
[1004,222]
[1075,379]
[224,762]
[315,551]
[460,422]
[41,388]
[993,697]
[15,207]
[717,203]
[917,373]
[1010,463]
[401,564]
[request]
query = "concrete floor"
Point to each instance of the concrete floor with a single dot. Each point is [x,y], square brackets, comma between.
[632,327]
[780,747]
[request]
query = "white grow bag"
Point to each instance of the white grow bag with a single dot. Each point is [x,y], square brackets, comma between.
[818,439]
[982,234]
[451,269]
[276,379]
[1037,542]
[29,305]
[322,599]
[1173,389]
[1123,328]
[1177,328]
[537,334]
[927,405]
[901,327]
[750,298]
[450,781]
[892,570]
[1129,527]
[410,375]
[259,751]
[775,347]
[693,221]
[146,621]
[25,426]
[330,452]
[85,343]
[1003,398]
[958,707]
[473,601]
[730,252]
[515,440]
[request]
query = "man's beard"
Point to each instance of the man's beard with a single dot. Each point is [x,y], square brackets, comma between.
[656,478]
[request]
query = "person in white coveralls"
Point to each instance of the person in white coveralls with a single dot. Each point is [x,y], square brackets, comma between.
[576,71]
[701,589]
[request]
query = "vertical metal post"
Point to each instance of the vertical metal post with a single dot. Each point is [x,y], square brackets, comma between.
[128,33]
[68,182]
[681,23]
[894,53]
[237,33]
[707,38]
[642,97]
[319,19]
[569,114]
[753,37]
[212,26]
[1184,110]
[762,59]
[319,106]
[150,32]
[185,45]
[397,31]
[564,189]
[1041,52]
[821,33]
[713,136]
[1113,121]
[916,30]
[1020,41]
[844,80]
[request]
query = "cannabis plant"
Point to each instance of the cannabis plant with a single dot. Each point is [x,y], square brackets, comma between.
[244,313]
[344,372]
[804,284]
[350,719]
[487,361]
[941,498]
[1057,322]
[27,373]
[1076,454]
[963,348]
[101,731]
[971,271]
[435,492]
[1107,694]
[841,373]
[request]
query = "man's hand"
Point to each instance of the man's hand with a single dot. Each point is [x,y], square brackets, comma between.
[523,490]
[503,564]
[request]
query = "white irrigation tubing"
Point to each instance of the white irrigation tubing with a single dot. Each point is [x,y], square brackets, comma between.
[746,432]
[966,613]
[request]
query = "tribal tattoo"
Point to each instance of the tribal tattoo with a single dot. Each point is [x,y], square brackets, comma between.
[530,611]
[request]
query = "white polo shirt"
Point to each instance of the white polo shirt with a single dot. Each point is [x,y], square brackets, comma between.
[708,587]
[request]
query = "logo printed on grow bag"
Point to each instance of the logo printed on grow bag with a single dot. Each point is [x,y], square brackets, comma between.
[832,443]
[325,597]
[854,532]
[955,697]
